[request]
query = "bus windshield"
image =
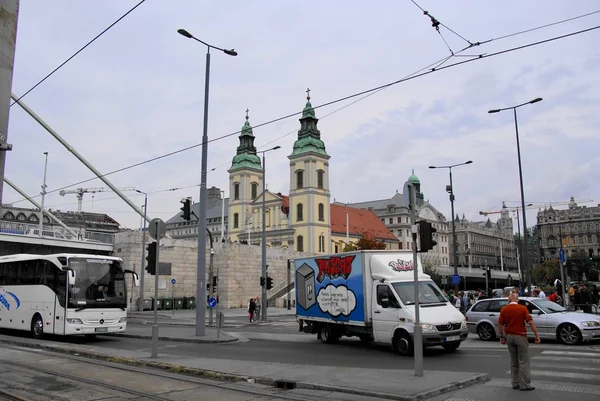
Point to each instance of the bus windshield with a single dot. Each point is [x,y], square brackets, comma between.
[99,283]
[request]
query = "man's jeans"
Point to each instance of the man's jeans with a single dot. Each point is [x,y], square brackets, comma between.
[520,371]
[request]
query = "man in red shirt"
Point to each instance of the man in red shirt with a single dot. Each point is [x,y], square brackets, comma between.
[512,323]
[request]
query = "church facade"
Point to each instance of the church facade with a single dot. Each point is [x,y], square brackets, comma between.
[304,220]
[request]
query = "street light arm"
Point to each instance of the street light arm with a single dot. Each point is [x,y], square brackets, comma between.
[537,99]
[454,165]
[188,35]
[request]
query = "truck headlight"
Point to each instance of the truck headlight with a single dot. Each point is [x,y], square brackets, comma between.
[122,320]
[428,328]
[74,321]
[590,323]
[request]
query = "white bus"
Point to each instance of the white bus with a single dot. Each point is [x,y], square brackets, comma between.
[63,294]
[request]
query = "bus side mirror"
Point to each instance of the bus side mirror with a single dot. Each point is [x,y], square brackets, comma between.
[71,276]
[136,279]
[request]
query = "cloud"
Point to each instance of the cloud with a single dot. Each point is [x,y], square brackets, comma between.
[336,300]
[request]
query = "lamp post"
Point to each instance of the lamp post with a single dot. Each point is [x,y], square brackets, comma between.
[43,193]
[450,190]
[201,273]
[525,234]
[263,242]
[141,302]
[222,216]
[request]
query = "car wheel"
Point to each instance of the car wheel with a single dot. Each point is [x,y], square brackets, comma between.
[451,347]
[569,334]
[403,344]
[37,327]
[486,332]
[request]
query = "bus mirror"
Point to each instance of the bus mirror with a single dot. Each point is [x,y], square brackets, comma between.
[72,276]
[136,280]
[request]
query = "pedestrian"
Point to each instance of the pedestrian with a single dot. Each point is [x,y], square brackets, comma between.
[257,309]
[513,333]
[251,309]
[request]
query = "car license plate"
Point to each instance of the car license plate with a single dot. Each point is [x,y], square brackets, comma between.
[101,329]
[452,338]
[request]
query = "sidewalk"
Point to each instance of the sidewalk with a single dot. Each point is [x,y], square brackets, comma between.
[186,334]
[187,317]
[382,383]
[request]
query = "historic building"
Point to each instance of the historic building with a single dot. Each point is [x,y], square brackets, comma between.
[483,243]
[578,227]
[395,215]
[304,220]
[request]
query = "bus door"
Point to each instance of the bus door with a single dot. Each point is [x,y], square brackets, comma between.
[60,303]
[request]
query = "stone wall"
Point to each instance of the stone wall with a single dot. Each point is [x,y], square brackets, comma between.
[238,265]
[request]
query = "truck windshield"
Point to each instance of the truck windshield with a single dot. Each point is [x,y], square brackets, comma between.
[429,293]
[99,283]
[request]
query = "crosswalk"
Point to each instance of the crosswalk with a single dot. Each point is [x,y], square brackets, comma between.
[284,323]
[567,366]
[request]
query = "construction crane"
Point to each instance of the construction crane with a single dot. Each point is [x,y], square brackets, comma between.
[539,206]
[80,191]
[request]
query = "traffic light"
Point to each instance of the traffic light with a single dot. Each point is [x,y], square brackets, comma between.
[186,209]
[151,258]
[269,283]
[426,231]
[591,253]
[262,281]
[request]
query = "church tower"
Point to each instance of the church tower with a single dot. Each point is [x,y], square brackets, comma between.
[245,181]
[309,187]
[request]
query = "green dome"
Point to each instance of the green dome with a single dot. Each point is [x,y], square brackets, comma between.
[308,111]
[246,160]
[309,144]
[413,178]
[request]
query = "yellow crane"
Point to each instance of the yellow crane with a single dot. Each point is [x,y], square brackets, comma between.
[80,191]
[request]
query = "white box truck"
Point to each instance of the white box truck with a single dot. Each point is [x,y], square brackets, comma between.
[370,294]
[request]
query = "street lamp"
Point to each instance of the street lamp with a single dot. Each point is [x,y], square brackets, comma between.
[141,302]
[450,190]
[263,242]
[525,245]
[201,273]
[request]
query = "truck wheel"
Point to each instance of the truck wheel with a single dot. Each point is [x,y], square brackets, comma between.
[326,334]
[451,347]
[403,344]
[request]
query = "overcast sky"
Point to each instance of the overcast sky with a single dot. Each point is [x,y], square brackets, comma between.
[137,93]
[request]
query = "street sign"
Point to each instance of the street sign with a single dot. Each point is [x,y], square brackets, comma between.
[173,281]
[455,279]
[212,302]
[157,228]
[562,256]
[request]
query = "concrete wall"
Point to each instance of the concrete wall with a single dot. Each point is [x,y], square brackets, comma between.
[238,265]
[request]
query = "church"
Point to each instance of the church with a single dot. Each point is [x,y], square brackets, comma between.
[304,220]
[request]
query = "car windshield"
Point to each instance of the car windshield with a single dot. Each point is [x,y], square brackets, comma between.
[429,293]
[99,283]
[548,306]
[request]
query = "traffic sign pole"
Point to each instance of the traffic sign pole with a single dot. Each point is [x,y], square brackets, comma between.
[563,259]
[157,229]
[173,281]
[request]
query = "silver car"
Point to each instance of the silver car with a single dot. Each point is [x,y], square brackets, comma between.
[552,320]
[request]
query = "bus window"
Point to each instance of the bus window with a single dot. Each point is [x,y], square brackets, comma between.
[26,273]
[10,274]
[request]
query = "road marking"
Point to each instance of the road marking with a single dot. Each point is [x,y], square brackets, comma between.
[564,374]
[576,360]
[572,353]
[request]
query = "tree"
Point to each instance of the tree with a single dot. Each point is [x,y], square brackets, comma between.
[364,243]
[549,270]
[432,272]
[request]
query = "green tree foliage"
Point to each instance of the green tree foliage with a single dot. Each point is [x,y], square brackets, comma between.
[364,243]
[432,272]
[548,269]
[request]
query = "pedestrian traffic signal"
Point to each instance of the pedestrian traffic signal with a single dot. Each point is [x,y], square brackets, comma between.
[186,209]
[269,283]
[262,281]
[426,231]
[151,258]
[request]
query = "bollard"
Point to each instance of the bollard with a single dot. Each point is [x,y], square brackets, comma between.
[220,321]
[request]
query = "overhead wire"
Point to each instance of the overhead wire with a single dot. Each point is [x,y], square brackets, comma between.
[77,52]
[357,94]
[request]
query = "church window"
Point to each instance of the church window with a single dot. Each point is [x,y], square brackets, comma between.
[321,243]
[337,248]
[236,220]
[299,212]
[321,212]
[254,190]
[236,191]
[300,244]
[299,179]
[320,174]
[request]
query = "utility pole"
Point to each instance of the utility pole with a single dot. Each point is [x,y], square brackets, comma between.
[418,334]
[43,193]
[8,41]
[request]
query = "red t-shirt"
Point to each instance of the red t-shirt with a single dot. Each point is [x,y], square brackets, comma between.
[513,318]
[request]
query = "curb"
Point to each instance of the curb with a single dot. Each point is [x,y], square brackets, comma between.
[229,377]
[179,340]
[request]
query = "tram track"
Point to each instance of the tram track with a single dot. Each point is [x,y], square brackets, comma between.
[259,389]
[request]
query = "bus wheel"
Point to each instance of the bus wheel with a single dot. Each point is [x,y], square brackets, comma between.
[37,327]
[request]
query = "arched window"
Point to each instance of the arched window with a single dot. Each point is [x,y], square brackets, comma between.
[236,220]
[321,243]
[300,243]
[299,212]
[236,191]
[299,179]
[321,212]
[320,175]
[254,190]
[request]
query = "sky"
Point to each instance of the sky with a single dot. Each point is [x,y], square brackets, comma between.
[137,93]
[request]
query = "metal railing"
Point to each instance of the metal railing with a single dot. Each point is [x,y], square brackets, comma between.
[55,232]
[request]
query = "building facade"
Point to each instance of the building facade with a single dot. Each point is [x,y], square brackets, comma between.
[483,243]
[396,216]
[577,228]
